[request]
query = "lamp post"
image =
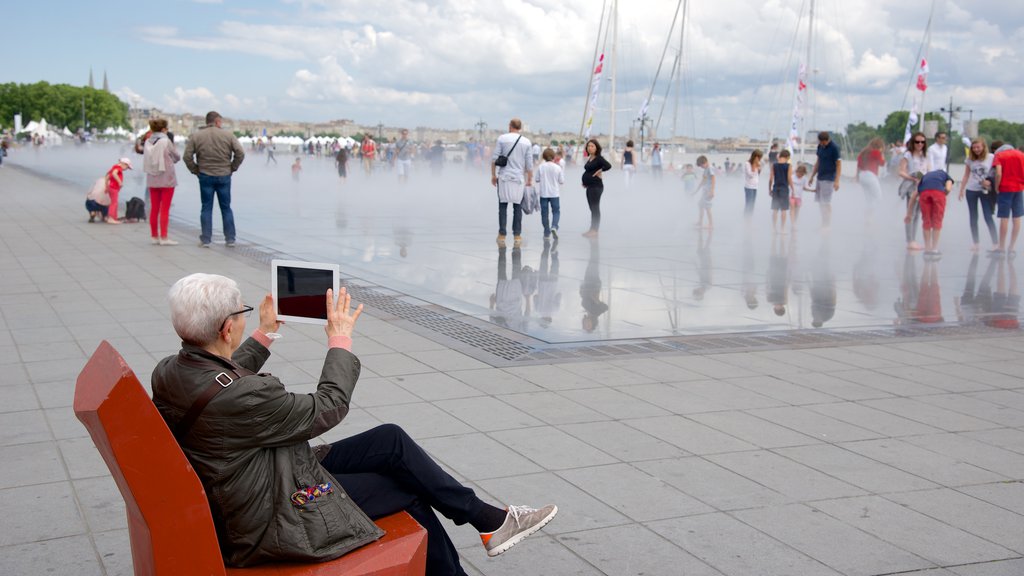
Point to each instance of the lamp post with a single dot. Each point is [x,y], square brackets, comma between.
[481,126]
[952,111]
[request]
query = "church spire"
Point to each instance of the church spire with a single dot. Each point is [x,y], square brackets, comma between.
[106,87]
[91,83]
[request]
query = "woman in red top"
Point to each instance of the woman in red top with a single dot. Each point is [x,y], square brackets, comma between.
[869,161]
[115,178]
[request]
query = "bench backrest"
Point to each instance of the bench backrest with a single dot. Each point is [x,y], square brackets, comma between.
[169,519]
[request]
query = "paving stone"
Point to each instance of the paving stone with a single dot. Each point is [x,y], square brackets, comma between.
[577,510]
[68,556]
[614,403]
[995,524]
[708,482]
[552,408]
[732,547]
[963,449]
[1013,567]
[25,506]
[634,550]
[927,464]
[932,540]
[833,385]
[477,456]
[436,386]
[691,436]
[882,423]
[487,414]
[752,429]
[635,493]
[818,426]
[621,441]
[925,413]
[855,469]
[832,542]
[30,464]
[551,448]
[783,391]
[784,475]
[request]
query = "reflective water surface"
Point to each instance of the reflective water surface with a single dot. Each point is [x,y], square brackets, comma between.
[651,273]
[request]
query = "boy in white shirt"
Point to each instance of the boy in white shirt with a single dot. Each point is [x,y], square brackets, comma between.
[549,179]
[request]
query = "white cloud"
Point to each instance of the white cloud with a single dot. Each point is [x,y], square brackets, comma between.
[450,62]
[876,71]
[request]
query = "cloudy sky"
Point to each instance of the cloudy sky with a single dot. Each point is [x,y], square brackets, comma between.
[450,63]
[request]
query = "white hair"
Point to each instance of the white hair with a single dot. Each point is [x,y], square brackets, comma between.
[200,303]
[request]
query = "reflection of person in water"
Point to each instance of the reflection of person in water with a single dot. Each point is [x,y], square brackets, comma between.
[906,302]
[548,299]
[777,290]
[929,299]
[507,300]
[403,238]
[590,290]
[703,264]
[865,275]
[749,285]
[823,288]
[975,303]
[1006,300]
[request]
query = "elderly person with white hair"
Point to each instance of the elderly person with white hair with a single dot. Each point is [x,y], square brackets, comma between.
[272,495]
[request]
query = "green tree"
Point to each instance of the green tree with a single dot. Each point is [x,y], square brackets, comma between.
[858,135]
[994,129]
[61,105]
[892,130]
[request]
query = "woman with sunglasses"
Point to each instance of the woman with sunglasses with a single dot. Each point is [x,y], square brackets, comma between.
[273,496]
[913,166]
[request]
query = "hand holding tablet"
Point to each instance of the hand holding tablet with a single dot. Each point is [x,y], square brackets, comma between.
[298,290]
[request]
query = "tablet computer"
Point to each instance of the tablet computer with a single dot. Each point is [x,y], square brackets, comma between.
[299,290]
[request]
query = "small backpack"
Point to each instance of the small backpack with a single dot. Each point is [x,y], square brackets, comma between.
[135,210]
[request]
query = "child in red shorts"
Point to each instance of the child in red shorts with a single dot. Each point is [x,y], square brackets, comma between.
[931,197]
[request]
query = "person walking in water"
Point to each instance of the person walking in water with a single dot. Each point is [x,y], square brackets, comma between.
[976,170]
[751,179]
[628,163]
[780,182]
[511,170]
[913,166]
[829,169]
[707,191]
[593,181]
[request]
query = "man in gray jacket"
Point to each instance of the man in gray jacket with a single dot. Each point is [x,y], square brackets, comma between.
[214,154]
[275,498]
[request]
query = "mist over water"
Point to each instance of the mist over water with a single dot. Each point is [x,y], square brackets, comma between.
[651,273]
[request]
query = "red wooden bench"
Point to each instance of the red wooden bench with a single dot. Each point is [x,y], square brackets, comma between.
[169,519]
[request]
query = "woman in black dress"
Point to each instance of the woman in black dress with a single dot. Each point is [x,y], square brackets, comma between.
[592,180]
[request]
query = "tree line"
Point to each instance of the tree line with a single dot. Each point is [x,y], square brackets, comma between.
[858,135]
[62,105]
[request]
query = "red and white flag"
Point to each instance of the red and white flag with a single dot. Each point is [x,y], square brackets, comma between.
[798,103]
[915,109]
[595,83]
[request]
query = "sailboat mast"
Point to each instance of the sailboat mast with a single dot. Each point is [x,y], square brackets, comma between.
[615,45]
[679,71]
[927,48]
[809,105]
[593,65]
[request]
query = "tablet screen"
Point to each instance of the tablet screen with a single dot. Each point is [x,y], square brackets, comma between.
[300,290]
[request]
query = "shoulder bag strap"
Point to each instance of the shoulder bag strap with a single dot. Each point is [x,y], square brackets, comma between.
[513,146]
[221,381]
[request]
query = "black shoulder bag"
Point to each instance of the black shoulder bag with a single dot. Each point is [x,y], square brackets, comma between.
[502,160]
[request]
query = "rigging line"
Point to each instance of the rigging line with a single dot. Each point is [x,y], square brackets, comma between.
[925,39]
[668,88]
[593,64]
[760,79]
[668,38]
[843,87]
[784,82]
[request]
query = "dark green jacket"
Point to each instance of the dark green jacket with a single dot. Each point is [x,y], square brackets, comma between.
[250,448]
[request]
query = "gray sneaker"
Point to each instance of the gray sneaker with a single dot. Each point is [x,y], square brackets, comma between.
[520,522]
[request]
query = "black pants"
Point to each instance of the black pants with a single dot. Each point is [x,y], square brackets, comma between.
[594,201]
[385,471]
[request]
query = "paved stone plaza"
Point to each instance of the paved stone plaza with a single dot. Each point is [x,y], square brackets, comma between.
[862,455]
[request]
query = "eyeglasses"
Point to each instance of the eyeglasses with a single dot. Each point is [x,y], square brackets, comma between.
[918,141]
[245,310]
